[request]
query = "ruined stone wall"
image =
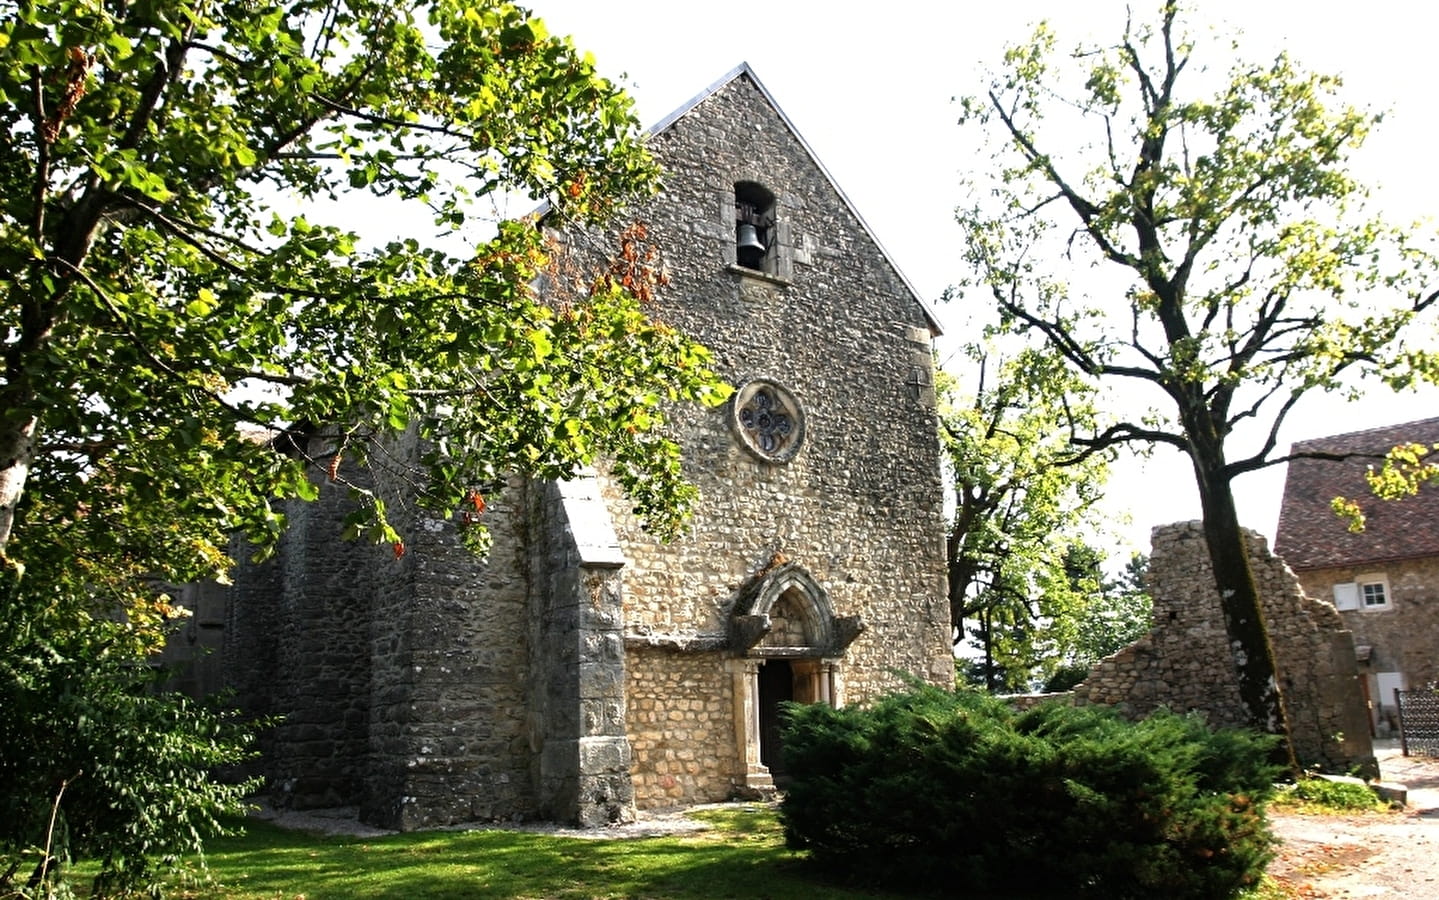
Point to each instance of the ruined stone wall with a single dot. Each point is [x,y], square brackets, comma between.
[681,726]
[859,507]
[1184,663]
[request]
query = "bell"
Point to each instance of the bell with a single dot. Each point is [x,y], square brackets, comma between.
[748,246]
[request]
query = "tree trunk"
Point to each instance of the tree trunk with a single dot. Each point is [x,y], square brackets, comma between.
[954,586]
[986,620]
[1249,646]
[17,450]
[19,405]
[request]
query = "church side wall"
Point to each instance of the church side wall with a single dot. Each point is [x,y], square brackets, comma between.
[448,740]
[320,673]
[401,682]
[249,659]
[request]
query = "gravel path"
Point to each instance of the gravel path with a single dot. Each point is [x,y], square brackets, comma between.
[1391,856]
[345,820]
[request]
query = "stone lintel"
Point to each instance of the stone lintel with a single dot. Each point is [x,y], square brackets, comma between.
[683,643]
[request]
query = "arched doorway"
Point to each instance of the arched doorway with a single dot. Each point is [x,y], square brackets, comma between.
[789,645]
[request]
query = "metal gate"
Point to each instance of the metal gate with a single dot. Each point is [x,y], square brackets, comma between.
[1418,722]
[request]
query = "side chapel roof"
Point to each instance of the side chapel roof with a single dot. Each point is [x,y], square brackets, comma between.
[1311,536]
[743,69]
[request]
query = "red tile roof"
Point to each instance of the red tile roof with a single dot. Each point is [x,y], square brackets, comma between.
[1311,536]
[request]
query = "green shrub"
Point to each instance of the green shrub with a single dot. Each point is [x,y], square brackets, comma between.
[939,790]
[1065,678]
[95,762]
[1341,795]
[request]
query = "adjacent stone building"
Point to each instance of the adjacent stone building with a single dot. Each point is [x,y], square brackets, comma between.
[1184,662]
[1384,580]
[584,670]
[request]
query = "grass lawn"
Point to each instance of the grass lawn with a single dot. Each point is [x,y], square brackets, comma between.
[741,856]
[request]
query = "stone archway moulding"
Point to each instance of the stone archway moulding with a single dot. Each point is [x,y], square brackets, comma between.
[815,657]
[825,633]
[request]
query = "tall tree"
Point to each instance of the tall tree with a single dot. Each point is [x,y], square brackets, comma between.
[1224,263]
[171,290]
[1094,615]
[1019,488]
[154,261]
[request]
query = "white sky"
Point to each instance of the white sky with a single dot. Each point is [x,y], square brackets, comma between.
[869,86]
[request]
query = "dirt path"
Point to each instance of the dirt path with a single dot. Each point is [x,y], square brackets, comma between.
[1390,856]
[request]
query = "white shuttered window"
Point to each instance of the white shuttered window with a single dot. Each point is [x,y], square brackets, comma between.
[1346,595]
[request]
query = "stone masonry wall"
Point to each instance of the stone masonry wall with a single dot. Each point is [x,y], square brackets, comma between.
[320,675]
[860,506]
[1401,636]
[195,652]
[249,655]
[449,738]
[681,726]
[1184,662]
[577,685]
[400,683]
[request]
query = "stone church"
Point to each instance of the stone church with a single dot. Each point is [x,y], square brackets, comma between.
[584,670]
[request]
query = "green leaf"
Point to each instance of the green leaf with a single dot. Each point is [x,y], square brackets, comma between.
[215,336]
[540,341]
[202,305]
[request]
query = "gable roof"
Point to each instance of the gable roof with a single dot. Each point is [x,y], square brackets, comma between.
[744,70]
[1311,536]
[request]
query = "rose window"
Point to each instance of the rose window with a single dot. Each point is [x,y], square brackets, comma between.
[768,420]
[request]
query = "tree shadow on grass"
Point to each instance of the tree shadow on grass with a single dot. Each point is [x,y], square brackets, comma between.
[742,856]
[737,861]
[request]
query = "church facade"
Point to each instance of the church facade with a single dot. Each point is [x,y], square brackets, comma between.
[584,670]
